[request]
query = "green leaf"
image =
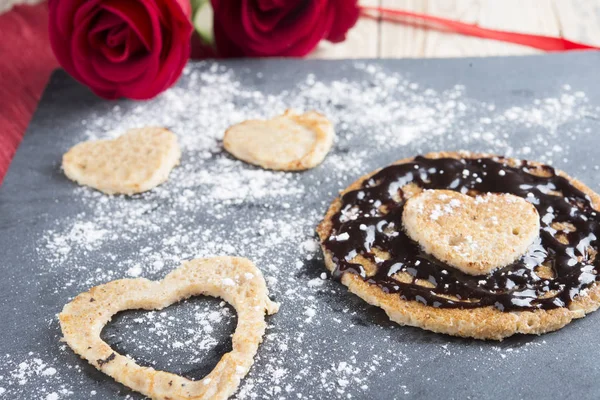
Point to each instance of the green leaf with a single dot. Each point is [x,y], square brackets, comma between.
[202,18]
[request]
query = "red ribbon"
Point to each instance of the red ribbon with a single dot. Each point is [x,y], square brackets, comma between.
[541,42]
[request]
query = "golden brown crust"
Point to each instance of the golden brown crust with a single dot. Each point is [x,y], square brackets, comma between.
[137,161]
[473,234]
[235,280]
[479,323]
[289,142]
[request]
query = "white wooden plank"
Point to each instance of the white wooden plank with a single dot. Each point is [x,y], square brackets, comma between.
[579,20]
[534,17]
[7,5]
[512,15]
[399,40]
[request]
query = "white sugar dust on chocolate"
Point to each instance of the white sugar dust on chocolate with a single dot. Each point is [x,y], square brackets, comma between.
[469,245]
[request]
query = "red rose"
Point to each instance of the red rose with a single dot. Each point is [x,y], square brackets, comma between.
[133,48]
[280,27]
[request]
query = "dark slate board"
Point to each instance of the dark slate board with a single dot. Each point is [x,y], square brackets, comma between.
[35,195]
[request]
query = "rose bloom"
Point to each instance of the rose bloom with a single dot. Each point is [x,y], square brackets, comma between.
[280,27]
[122,48]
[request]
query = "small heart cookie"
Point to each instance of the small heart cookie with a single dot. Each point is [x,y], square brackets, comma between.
[235,280]
[290,142]
[475,235]
[135,162]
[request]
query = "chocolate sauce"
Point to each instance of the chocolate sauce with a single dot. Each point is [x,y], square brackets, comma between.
[361,225]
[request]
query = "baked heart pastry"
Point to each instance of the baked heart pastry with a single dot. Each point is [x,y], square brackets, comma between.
[234,279]
[137,161]
[374,240]
[289,142]
[474,234]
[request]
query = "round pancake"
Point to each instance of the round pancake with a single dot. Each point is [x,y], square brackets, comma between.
[480,322]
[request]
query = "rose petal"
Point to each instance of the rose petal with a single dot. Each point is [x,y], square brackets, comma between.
[146,76]
[296,23]
[268,5]
[186,8]
[346,15]
[120,72]
[135,15]
[105,22]
[265,20]
[81,54]
[137,58]
[295,35]
[175,53]
[228,22]
[86,11]
[113,37]
[114,54]
[119,35]
[125,44]
[225,46]
[61,15]
[302,47]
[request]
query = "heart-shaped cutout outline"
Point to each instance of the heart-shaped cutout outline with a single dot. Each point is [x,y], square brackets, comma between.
[234,279]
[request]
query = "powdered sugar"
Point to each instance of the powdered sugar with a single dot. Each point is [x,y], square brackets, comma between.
[19,376]
[215,205]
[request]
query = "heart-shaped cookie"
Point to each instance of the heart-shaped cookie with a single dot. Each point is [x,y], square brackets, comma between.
[235,280]
[289,142]
[135,162]
[473,234]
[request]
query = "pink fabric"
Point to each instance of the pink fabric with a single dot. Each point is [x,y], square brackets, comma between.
[27,62]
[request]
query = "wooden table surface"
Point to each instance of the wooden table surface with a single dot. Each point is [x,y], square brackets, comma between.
[577,20]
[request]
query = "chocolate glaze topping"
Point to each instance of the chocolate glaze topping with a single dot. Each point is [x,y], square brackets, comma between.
[361,225]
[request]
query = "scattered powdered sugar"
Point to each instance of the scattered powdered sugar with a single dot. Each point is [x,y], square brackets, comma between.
[180,335]
[82,235]
[216,205]
[19,377]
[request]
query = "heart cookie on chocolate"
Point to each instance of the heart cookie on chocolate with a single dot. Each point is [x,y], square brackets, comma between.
[473,234]
[466,244]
